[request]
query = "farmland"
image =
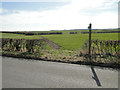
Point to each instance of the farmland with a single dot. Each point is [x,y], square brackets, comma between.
[71,47]
[19,36]
[66,40]
[75,41]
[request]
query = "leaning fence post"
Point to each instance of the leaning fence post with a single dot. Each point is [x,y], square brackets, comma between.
[90,28]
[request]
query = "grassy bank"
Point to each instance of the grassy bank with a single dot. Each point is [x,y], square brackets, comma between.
[65,56]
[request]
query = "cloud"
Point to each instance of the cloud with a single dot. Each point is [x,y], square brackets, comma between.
[71,16]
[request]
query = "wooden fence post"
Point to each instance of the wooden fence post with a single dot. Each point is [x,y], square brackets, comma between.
[90,28]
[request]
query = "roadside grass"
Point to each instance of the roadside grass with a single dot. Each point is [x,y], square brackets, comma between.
[64,56]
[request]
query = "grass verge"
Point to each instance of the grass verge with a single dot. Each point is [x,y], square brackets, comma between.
[65,56]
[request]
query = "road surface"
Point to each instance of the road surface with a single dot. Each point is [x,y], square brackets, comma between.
[24,73]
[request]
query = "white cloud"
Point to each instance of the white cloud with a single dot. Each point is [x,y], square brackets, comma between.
[68,17]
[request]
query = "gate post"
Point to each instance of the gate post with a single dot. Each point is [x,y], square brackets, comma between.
[90,28]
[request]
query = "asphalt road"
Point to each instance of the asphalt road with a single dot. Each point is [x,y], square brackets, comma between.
[23,73]
[0,73]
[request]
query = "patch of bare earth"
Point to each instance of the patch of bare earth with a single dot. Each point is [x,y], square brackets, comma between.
[51,44]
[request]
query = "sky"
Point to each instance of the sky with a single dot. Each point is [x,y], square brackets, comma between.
[63,15]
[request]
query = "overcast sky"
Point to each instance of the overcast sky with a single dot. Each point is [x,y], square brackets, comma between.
[65,14]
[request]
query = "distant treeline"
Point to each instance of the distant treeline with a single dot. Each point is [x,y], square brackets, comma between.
[103,32]
[31,33]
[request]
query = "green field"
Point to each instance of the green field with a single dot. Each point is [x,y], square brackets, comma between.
[78,31]
[75,41]
[19,36]
[66,40]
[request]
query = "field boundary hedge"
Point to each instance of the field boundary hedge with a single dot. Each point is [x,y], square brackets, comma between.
[102,32]
[31,33]
[22,45]
[104,47]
